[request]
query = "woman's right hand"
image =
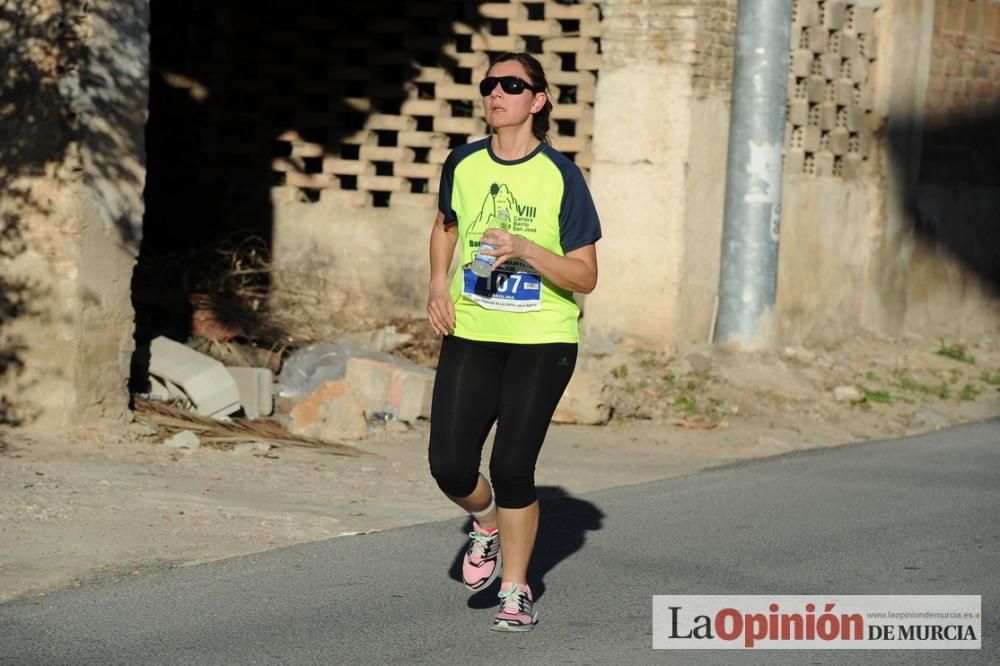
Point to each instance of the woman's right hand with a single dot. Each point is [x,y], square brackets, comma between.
[440,309]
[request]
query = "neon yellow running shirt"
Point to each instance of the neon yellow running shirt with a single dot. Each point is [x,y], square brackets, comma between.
[542,197]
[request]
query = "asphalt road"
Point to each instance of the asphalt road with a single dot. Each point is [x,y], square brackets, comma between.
[913,516]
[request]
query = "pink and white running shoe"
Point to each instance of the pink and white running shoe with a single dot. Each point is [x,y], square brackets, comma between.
[517,610]
[481,565]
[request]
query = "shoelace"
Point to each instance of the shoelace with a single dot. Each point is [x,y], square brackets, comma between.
[512,600]
[480,541]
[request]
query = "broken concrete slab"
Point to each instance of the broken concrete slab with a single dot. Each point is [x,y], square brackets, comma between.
[331,413]
[256,389]
[397,386]
[211,389]
[167,391]
[158,390]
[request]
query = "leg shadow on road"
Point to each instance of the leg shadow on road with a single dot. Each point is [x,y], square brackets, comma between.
[562,529]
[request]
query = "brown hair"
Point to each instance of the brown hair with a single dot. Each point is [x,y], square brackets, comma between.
[536,77]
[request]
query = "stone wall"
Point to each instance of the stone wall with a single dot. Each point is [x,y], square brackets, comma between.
[938,258]
[832,193]
[951,203]
[660,136]
[909,246]
[71,161]
[338,272]
[874,235]
[889,199]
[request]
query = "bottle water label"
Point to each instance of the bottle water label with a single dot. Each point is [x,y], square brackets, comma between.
[513,287]
[482,264]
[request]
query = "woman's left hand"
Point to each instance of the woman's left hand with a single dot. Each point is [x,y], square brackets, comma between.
[508,246]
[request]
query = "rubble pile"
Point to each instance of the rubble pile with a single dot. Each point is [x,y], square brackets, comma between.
[324,392]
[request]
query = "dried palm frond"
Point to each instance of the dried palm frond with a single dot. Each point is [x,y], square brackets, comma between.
[169,420]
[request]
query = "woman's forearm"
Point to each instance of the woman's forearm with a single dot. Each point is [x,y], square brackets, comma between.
[442,249]
[576,271]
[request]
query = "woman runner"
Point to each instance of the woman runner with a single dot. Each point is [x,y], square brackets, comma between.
[510,338]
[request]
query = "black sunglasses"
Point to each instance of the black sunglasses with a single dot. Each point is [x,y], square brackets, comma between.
[512,85]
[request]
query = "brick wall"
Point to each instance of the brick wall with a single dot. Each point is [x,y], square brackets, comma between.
[700,34]
[965,61]
[650,31]
[716,39]
[963,93]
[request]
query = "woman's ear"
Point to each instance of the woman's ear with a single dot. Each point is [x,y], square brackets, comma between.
[539,102]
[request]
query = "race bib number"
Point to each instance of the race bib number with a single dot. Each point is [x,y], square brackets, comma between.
[513,287]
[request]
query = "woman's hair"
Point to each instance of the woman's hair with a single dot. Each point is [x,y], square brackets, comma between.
[536,77]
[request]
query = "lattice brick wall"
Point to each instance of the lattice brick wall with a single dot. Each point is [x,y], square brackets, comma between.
[833,46]
[395,156]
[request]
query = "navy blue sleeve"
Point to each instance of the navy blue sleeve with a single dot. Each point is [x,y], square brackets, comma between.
[444,192]
[578,222]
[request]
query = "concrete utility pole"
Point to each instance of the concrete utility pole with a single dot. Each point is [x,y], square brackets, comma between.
[749,276]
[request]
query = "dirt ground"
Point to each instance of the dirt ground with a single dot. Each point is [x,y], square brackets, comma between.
[99,504]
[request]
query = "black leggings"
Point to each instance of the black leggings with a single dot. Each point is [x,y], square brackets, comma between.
[477,383]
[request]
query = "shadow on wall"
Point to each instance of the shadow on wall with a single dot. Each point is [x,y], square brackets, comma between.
[16,296]
[228,80]
[952,197]
[55,89]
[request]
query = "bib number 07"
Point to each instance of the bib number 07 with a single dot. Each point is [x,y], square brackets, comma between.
[510,288]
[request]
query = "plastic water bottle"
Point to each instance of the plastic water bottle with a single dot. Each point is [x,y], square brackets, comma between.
[482,264]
